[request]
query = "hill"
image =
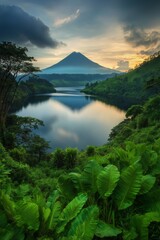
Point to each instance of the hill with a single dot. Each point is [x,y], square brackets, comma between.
[77,63]
[30,88]
[130,88]
[67,80]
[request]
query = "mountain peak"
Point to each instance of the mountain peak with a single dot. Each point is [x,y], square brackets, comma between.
[77,63]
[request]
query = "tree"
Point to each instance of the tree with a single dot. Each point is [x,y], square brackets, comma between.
[15,64]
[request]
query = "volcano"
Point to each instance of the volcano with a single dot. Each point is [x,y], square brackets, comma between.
[77,63]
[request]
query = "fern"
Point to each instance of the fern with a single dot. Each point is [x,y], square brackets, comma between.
[71,211]
[128,186]
[107,180]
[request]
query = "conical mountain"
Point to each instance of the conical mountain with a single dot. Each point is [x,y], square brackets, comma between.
[77,63]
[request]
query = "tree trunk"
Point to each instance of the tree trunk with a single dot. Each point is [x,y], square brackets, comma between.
[2,128]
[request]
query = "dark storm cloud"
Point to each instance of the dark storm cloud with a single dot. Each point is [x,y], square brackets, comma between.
[141,13]
[18,26]
[139,18]
[139,37]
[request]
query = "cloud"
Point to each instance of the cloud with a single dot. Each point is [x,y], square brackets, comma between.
[141,13]
[140,21]
[151,51]
[122,65]
[18,26]
[138,37]
[61,21]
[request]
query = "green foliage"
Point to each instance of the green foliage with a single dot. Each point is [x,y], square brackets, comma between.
[71,211]
[106,230]
[59,158]
[107,180]
[130,88]
[148,182]
[107,192]
[13,61]
[85,224]
[90,150]
[67,158]
[128,186]
[27,214]
[38,85]
[19,154]
[133,111]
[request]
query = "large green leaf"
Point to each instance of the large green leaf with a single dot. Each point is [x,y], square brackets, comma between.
[3,219]
[128,186]
[71,211]
[54,215]
[45,213]
[148,182]
[130,234]
[89,176]
[107,180]
[67,187]
[84,225]
[106,230]
[8,205]
[27,214]
[11,232]
[52,198]
[77,180]
[142,222]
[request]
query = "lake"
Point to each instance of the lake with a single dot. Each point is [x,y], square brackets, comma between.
[72,118]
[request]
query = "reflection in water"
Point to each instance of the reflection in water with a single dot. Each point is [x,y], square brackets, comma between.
[74,120]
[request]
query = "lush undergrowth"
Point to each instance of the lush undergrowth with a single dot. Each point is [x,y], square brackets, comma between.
[107,192]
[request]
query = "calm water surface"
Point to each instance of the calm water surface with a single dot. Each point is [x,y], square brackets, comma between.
[72,119]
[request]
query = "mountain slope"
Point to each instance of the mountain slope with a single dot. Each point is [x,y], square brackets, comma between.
[130,88]
[77,63]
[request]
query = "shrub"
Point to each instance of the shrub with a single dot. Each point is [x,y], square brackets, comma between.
[19,154]
[71,157]
[90,151]
[59,158]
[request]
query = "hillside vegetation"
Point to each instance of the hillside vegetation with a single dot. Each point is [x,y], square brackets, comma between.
[130,88]
[70,80]
[107,192]
[31,87]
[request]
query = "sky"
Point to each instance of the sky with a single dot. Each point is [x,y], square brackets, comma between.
[118,34]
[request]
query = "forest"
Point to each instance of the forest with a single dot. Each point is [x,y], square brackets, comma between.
[107,192]
[131,88]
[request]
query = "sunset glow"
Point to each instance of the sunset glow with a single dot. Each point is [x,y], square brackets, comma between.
[116,34]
